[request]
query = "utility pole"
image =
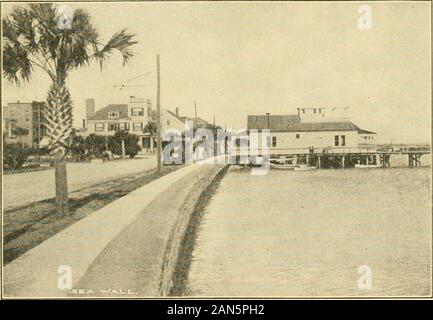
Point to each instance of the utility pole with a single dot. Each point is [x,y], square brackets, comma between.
[39,132]
[215,147]
[158,114]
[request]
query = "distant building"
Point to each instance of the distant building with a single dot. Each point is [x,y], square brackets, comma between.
[132,117]
[320,128]
[24,122]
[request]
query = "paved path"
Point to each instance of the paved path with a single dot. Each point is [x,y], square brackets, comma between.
[139,262]
[22,188]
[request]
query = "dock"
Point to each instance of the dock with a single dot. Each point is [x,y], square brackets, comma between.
[339,157]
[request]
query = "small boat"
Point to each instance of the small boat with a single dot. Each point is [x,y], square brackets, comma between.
[282,166]
[371,162]
[366,166]
[304,167]
[283,163]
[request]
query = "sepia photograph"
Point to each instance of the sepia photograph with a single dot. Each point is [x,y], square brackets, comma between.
[216,149]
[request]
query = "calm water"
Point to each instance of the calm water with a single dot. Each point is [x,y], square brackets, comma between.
[294,233]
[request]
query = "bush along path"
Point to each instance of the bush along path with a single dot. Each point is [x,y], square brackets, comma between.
[27,226]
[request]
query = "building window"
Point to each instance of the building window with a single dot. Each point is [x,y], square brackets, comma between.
[303,110]
[113,127]
[343,140]
[274,141]
[336,141]
[113,114]
[298,136]
[320,110]
[99,127]
[137,111]
[137,126]
[124,126]
[168,122]
[315,111]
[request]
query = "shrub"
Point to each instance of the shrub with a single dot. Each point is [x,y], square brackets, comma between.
[131,143]
[96,145]
[78,148]
[15,154]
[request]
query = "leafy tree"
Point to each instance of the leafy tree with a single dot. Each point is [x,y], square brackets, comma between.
[37,36]
[150,128]
[96,145]
[131,143]
[78,148]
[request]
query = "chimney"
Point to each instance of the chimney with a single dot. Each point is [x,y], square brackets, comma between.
[177,112]
[90,107]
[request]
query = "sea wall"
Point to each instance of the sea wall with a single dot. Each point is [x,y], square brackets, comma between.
[129,248]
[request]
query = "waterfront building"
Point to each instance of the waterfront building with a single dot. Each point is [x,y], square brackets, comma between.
[23,122]
[322,129]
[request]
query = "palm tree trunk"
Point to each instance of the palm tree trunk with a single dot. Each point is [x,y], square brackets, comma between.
[58,117]
[61,179]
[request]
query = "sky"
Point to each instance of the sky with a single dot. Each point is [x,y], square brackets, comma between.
[241,58]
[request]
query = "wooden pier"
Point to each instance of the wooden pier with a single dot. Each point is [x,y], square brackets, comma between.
[340,157]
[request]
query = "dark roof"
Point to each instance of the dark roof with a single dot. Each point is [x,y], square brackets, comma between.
[102,114]
[366,131]
[276,122]
[176,116]
[292,123]
[199,122]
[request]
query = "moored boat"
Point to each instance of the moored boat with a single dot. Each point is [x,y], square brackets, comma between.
[282,166]
[284,163]
[366,166]
[304,167]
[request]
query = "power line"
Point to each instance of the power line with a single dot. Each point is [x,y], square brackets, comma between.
[139,76]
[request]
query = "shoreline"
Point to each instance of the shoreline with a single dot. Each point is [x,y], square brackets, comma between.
[183,262]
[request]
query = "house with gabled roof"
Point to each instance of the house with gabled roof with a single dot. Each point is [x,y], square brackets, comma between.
[132,117]
[318,128]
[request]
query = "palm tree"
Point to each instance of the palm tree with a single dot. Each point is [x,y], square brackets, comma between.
[36,37]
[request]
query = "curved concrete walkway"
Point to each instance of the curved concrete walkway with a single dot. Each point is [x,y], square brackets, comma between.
[119,247]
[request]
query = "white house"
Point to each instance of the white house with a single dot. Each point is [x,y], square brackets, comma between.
[132,117]
[323,129]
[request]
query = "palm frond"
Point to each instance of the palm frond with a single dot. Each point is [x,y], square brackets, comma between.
[120,41]
[16,65]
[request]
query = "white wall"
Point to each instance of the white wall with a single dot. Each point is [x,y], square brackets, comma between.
[367,140]
[169,121]
[313,139]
